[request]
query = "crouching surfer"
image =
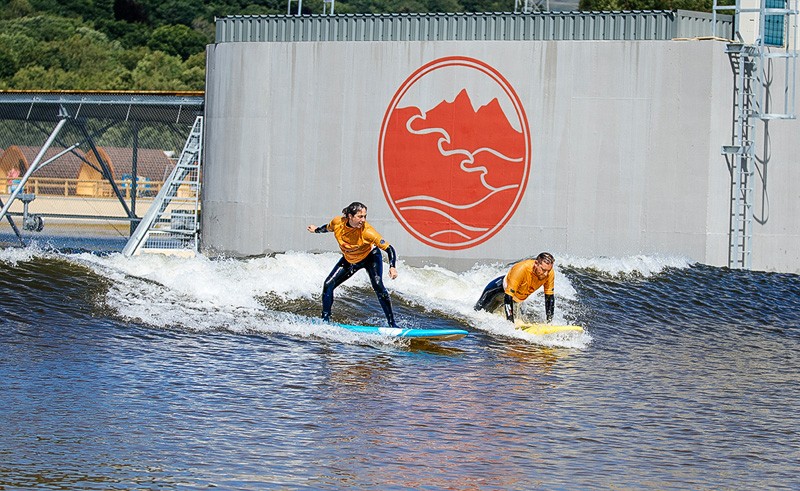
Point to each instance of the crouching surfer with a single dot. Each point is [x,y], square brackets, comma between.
[524,278]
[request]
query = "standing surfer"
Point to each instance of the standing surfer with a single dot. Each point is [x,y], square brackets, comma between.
[360,244]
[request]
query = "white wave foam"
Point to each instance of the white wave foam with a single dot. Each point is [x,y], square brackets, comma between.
[500,327]
[206,295]
[201,294]
[15,255]
[645,266]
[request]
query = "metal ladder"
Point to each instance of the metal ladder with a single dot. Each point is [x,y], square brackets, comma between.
[171,224]
[752,103]
[742,155]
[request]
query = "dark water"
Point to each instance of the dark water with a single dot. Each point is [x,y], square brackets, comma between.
[155,373]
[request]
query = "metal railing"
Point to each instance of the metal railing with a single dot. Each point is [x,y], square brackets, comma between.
[496,26]
[84,188]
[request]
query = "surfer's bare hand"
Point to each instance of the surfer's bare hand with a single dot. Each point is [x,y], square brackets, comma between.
[392,272]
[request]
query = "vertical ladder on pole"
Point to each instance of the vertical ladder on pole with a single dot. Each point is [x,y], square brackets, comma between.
[744,59]
[171,224]
[753,58]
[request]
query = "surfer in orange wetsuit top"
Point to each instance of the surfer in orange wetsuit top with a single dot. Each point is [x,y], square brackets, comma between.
[360,245]
[524,278]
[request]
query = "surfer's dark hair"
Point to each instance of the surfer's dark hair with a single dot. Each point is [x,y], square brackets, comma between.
[353,208]
[546,257]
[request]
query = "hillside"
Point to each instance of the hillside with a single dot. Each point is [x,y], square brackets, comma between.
[160,44]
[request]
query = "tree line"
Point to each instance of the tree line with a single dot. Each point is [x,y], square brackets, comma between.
[160,44]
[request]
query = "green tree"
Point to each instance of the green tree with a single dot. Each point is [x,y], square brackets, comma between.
[42,27]
[83,9]
[614,5]
[194,72]
[177,11]
[36,77]
[16,50]
[8,62]
[155,136]
[129,58]
[134,11]
[85,50]
[16,8]
[443,6]
[129,34]
[206,28]
[159,71]
[405,6]
[177,40]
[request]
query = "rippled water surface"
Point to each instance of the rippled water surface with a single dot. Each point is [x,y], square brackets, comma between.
[165,373]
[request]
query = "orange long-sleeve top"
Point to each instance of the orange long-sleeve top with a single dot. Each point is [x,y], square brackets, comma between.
[355,243]
[520,281]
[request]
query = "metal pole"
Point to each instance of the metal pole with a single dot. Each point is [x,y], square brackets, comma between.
[14,226]
[32,168]
[135,168]
[106,171]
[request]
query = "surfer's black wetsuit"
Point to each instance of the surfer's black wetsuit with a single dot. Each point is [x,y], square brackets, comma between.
[520,283]
[343,270]
[360,249]
[493,295]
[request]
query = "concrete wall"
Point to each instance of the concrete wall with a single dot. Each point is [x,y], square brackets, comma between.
[624,145]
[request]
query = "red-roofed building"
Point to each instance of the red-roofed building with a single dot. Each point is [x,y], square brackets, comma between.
[79,173]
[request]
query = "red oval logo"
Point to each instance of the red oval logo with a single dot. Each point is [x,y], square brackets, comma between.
[454,153]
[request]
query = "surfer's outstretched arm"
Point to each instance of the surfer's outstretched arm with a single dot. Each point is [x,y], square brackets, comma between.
[318,230]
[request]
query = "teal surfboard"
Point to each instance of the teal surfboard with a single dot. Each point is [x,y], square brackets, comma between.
[429,334]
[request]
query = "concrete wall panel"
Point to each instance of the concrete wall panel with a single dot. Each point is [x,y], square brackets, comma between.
[625,142]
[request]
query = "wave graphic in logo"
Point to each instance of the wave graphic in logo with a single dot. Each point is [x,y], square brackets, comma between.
[453,171]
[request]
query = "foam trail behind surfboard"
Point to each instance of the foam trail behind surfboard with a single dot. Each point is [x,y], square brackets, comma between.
[429,334]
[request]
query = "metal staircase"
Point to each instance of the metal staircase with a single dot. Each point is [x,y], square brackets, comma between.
[171,224]
[753,58]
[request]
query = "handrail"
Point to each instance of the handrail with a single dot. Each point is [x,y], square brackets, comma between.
[82,188]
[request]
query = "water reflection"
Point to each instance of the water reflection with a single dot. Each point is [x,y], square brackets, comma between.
[690,382]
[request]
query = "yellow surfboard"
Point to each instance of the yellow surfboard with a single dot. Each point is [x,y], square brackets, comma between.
[542,329]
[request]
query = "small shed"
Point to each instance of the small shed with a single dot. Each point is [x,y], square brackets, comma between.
[91,181]
[152,167]
[56,177]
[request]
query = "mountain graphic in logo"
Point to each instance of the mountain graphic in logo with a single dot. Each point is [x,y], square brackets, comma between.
[454,173]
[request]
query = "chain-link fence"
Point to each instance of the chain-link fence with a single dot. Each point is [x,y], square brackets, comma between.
[88,165]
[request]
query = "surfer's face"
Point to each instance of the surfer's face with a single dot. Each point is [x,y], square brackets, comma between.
[357,220]
[541,269]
